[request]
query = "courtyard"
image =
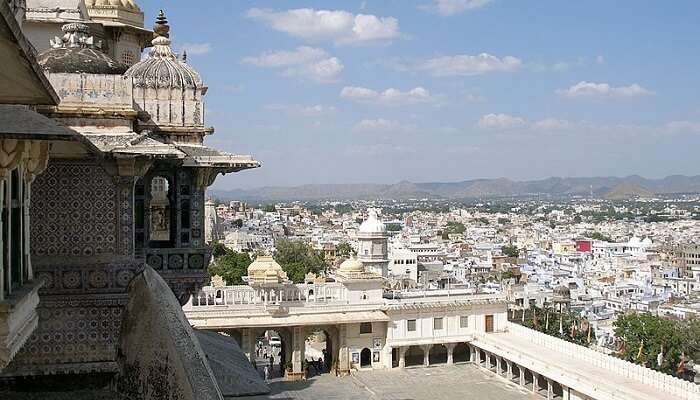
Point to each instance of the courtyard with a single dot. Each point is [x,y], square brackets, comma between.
[464,381]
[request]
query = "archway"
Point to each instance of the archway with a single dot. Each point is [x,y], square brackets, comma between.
[318,351]
[414,356]
[395,357]
[271,348]
[516,373]
[365,358]
[460,353]
[437,354]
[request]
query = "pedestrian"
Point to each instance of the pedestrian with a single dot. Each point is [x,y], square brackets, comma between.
[272,361]
[267,374]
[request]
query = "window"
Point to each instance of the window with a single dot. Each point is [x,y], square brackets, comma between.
[463,321]
[411,325]
[437,324]
[160,209]
[365,327]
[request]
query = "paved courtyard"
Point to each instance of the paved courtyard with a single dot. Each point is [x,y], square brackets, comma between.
[434,383]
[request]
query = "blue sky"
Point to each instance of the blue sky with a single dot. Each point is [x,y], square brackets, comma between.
[445,90]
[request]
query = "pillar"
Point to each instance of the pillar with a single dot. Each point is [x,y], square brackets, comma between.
[477,356]
[247,343]
[565,395]
[402,357]
[498,366]
[522,375]
[535,382]
[426,355]
[343,352]
[488,360]
[509,370]
[298,342]
[450,353]
[549,389]
[388,357]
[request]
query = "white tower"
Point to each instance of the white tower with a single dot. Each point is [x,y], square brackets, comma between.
[373,238]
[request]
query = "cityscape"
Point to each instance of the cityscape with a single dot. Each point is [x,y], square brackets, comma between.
[443,199]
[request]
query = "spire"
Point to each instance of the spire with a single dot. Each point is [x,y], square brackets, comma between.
[161,41]
[184,56]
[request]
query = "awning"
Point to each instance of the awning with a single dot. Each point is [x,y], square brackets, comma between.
[199,319]
[19,122]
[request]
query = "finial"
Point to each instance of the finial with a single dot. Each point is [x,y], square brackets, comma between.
[74,35]
[184,55]
[161,28]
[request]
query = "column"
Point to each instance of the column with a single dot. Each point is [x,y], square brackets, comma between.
[247,344]
[3,295]
[477,356]
[426,355]
[298,340]
[388,357]
[450,353]
[522,375]
[565,395]
[402,357]
[488,360]
[343,353]
[535,382]
[472,353]
[498,366]
[549,389]
[509,370]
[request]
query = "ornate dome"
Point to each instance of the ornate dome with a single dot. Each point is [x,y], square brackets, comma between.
[76,53]
[562,292]
[162,69]
[265,270]
[352,264]
[372,224]
[127,4]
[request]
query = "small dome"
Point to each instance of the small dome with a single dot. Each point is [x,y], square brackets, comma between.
[372,224]
[75,53]
[562,291]
[647,241]
[126,4]
[352,265]
[263,264]
[634,241]
[162,69]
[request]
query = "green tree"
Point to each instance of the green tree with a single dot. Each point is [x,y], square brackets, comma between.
[577,219]
[510,250]
[503,221]
[298,258]
[393,227]
[218,249]
[269,208]
[599,236]
[232,266]
[454,227]
[643,336]
[238,223]
[344,249]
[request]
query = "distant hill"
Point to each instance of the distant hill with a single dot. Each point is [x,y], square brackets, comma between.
[602,187]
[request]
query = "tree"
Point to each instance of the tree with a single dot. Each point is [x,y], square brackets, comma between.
[232,266]
[298,258]
[269,208]
[393,227]
[454,227]
[577,219]
[510,250]
[503,221]
[643,336]
[238,223]
[344,249]
[218,249]
[599,236]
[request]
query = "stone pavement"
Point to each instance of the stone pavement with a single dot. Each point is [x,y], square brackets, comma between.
[434,383]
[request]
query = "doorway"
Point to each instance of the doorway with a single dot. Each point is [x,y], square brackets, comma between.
[366,358]
[489,323]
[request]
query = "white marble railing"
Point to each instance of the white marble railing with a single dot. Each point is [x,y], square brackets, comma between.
[288,294]
[667,383]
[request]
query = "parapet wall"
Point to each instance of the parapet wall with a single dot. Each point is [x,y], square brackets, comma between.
[160,356]
[659,380]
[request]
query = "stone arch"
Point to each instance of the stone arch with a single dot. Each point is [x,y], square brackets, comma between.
[460,353]
[437,354]
[365,358]
[414,356]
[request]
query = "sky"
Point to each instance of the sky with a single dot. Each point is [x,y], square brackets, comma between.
[445,90]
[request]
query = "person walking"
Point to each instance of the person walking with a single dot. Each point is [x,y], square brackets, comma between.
[267,374]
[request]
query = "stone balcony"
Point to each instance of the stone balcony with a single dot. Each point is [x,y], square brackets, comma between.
[18,320]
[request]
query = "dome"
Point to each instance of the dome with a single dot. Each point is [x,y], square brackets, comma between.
[372,224]
[634,241]
[265,270]
[162,69]
[562,292]
[75,53]
[647,241]
[352,265]
[127,4]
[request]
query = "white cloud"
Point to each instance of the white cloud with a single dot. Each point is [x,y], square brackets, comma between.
[390,96]
[683,127]
[591,89]
[302,110]
[305,62]
[339,26]
[196,48]
[379,124]
[510,122]
[469,65]
[500,121]
[233,88]
[452,7]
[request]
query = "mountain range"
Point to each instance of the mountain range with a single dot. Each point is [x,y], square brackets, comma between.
[613,188]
